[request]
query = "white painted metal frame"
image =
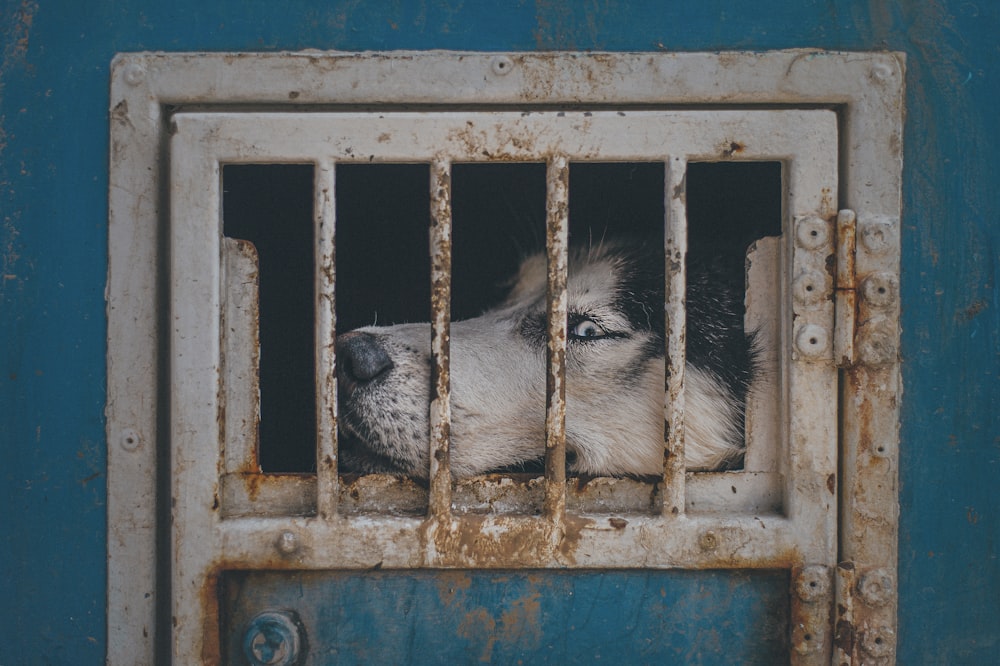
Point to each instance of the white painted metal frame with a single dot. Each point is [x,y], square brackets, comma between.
[864,90]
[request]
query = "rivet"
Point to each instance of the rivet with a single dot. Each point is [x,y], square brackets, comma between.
[502,65]
[812,341]
[135,74]
[875,235]
[881,72]
[708,541]
[273,638]
[806,640]
[880,289]
[809,288]
[813,583]
[287,543]
[875,587]
[876,347]
[879,642]
[130,440]
[812,233]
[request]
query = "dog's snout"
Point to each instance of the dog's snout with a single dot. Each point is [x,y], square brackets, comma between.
[361,358]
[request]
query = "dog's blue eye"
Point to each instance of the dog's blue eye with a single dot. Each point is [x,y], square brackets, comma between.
[587,329]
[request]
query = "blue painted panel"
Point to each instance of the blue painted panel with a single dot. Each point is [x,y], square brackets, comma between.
[53,166]
[536,617]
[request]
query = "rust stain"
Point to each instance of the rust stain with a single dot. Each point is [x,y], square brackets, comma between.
[479,627]
[211,652]
[827,205]
[501,541]
[17,38]
[730,149]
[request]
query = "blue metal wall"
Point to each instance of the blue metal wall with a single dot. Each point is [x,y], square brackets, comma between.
[53,212]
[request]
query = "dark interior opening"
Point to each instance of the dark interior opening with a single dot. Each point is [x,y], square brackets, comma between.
[383,268]
[271,205]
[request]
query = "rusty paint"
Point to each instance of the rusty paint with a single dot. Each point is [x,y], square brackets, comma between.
[440,407]
[473,540]
[675,338]
[557,240]
[732,149]
[325,327]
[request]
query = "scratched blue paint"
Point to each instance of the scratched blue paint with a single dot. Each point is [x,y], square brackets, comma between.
[53,182]
[510,617]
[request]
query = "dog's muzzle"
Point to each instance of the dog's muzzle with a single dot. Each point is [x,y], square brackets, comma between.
[361,360]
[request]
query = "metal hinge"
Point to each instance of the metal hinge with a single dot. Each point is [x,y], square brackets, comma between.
[866,603]
[845,289]
[866,327]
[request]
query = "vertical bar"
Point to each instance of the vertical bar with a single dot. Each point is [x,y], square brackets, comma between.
[675,284]
[843,639]
[557,241]
[440,407]
[845,304]
[326,324]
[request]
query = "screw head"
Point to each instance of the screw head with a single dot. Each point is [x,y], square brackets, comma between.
[809,288]
[135,74]
[876,346]
[879,642]
[880,289]
[812,233]
[502,65]
[273,638]
[130,440]
[287,542]
[813,583]
[875,587]
[806,640]
[812,341]
[876,235]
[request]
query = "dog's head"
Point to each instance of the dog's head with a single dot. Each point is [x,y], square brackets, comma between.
[614,379]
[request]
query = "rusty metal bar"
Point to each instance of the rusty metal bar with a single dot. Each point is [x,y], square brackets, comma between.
[440,408]
[675,284]
[844,632]
[846,290]
[557,242]
[325,331]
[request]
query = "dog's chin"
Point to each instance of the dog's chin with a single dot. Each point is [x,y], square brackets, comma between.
[356,457]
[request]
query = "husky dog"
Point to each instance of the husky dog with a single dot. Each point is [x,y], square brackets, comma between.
[614,374]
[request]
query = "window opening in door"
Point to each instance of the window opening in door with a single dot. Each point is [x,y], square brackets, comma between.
[270,208]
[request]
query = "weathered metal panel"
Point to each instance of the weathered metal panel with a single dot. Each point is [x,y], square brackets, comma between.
[203,545]
[510,617]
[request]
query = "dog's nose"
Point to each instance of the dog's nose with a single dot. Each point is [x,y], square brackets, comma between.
[360,358]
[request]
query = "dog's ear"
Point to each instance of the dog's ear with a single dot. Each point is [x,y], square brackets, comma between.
[529,283]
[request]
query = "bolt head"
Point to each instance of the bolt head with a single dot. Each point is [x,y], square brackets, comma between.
[812,233]
[812,341]
[813,583]
[880,289]
[288,543]
[876,587]
[273,638]
[876,235]
[810,288]
[502,65]
[135,74]
[879,642]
